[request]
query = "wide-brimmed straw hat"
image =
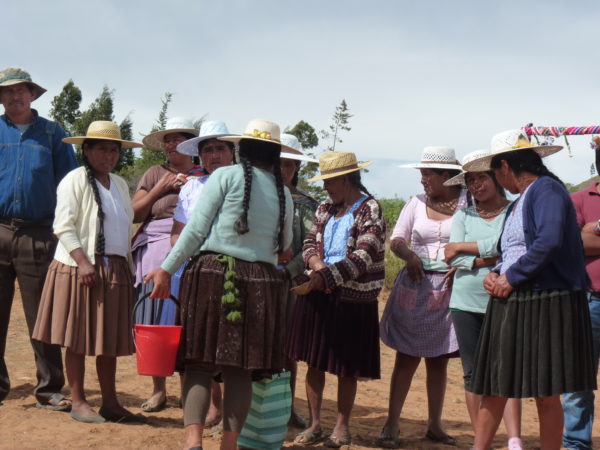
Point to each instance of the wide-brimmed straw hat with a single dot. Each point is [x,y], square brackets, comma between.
[260,130]
[334,164]
[293,149]
[436,158]
[156,140]
[16,75]
[210,129]
[102,130]
[509,141]
[460,178]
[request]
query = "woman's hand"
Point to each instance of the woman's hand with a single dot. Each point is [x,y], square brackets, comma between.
[451,251]
[162,283]
[285,257]
[315,263]
[87,273]
[414,267]
[317,283]
[449,277]
[489,281]
[502,288]
[167,182]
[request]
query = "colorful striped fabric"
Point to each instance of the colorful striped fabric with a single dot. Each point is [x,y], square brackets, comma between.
[266,425]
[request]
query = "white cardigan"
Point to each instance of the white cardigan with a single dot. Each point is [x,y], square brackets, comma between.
[76,215]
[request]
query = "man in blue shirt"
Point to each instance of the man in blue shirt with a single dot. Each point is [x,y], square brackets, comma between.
[33,160]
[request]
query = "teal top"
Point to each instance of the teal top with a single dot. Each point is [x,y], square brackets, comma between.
[211,225]
[468,293]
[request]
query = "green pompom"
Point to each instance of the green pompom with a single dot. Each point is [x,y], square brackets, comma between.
[234,316]
[230,275]
[228,298]
[228,286]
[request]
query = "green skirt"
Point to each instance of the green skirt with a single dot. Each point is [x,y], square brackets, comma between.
[535,344]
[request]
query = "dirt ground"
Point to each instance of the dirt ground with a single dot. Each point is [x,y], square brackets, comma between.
[25,427]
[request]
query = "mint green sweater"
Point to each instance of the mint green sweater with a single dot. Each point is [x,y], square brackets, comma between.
[211,226]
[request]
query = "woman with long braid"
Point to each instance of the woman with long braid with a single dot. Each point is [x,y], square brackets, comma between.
[335,325]
[88,295]
[231,309]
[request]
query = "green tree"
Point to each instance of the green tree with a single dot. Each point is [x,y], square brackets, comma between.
[127,158]
[149,157]
[65,106]
[308,138]
[340,122]
[100,109]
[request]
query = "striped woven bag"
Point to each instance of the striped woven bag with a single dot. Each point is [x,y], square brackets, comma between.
[266,425]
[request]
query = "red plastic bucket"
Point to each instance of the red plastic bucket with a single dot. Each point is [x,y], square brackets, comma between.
[156,346]
[156,349]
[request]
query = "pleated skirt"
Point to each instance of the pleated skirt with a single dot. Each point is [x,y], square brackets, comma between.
[89,321]
[535,344]
[254,343]
[336,335]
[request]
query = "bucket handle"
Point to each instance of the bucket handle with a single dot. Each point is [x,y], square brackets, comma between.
[144,297]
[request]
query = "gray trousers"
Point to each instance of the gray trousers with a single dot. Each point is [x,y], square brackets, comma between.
[25,254]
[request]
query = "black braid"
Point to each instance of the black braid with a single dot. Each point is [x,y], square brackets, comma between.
[281,196]
[100,240]
[241,225]
[527,160]
[354,179]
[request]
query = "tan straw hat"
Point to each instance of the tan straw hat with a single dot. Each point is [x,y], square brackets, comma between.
[103,130]
[16,75]
[260,130]
[509,141]
[334,164]
[156,140]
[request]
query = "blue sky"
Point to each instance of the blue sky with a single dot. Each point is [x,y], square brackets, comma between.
[414,73]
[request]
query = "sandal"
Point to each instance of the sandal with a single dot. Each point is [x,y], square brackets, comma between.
[443,439]
[307,437]
[56,402]
[338,441]
[386,440]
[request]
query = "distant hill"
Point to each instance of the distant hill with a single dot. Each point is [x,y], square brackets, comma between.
[583,184]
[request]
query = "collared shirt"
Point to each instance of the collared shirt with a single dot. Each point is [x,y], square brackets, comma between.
[587,208]
[31,166]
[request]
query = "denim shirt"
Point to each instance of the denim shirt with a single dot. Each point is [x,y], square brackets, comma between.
[31,166]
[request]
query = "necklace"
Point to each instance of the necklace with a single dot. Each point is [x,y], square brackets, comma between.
[484,214]
[446,207]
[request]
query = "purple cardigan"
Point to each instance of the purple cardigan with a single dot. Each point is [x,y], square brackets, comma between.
[554,257]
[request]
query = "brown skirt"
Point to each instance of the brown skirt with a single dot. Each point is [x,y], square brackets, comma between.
[256,342]
[88,321]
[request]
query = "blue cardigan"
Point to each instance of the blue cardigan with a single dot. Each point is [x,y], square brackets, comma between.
[554,257]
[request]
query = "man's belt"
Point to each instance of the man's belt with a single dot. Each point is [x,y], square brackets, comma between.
[22,223]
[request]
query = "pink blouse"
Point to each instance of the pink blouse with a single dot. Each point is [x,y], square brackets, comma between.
[426,237]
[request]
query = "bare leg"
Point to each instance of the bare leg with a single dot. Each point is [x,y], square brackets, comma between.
[296,420]
[551,422]
[437,378]
[106,366]
[193,435]
[404,370]
[488,419]
[315,383]
[216,405]
[345,402]
[512,422]
[472,401]
[75,367]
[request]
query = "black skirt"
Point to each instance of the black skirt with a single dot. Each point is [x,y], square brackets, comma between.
[336,335]
[535,344]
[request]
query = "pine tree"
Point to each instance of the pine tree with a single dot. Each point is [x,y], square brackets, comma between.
[65,106]
[341,119]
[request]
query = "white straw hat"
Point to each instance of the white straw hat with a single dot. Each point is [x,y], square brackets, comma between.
[334,164]
[210,129]
[509,141]
[460,178]
[103,130]
[156,140]
[260,130]
[436,158]
[293,149]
